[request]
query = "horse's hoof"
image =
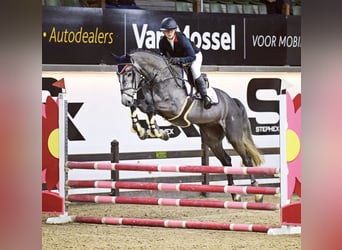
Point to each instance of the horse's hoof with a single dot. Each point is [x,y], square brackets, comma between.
[165,136]
[236,197]
[150,133]
[143,137]
[255,184]
[142,133]
[259,198]
[203,195]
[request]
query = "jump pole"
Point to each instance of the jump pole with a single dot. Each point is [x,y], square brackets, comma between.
[173,224]
[172,202]
[173,187]
[173,168]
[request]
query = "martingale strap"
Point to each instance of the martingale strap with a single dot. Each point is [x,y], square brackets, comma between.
[181,119]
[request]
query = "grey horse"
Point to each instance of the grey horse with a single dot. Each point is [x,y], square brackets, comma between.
[149,82]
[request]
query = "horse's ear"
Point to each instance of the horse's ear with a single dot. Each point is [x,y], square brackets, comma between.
[121,59]
[110,59]
[116,57]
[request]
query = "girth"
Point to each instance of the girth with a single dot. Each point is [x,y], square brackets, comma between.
[181,119]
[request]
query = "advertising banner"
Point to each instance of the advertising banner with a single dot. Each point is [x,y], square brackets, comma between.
[89,36]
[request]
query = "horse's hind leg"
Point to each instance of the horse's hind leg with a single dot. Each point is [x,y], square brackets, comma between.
[238,145]
[212,136]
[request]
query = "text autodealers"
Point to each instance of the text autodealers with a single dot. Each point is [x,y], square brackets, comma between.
[80,36]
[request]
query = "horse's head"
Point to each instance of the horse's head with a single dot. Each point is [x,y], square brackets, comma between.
[129,80]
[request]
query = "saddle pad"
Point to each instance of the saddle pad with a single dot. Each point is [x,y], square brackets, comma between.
[212,94]
[210,91]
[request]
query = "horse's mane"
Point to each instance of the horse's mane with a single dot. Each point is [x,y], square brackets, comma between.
[149,59]
[151,52]
[145,54]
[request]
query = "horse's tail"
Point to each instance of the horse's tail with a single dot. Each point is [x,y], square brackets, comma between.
[252,150]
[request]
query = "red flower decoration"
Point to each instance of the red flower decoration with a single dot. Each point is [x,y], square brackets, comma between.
[50,159]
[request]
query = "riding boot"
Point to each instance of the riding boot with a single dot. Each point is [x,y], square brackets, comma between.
[202,88]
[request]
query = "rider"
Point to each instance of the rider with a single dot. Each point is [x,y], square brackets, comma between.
[176,45]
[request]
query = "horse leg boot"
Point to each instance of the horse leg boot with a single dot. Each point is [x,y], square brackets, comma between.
[202,88]
[136,126]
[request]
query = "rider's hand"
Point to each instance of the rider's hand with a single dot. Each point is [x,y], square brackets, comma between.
[175,60]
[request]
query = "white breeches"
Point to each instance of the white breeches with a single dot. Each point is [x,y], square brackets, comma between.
[196,66]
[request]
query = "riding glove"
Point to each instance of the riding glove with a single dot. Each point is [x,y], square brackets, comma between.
[175,60]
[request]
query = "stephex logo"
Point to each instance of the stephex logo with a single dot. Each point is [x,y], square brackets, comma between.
[174,131]
[264,106]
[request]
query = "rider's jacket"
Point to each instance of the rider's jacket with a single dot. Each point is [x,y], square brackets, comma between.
[183,48]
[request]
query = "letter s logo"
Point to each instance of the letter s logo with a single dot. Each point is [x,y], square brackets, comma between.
[259,105]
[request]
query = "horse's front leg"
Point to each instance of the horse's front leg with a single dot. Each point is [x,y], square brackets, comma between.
[154,130]
[136,126]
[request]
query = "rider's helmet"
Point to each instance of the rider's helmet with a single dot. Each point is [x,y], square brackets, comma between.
[168,23]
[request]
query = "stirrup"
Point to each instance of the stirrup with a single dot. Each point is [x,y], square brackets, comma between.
[207,102]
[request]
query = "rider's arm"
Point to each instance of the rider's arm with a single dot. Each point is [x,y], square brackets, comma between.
[189,52]
[162,48]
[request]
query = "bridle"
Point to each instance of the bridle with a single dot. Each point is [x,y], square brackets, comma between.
[136,81]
